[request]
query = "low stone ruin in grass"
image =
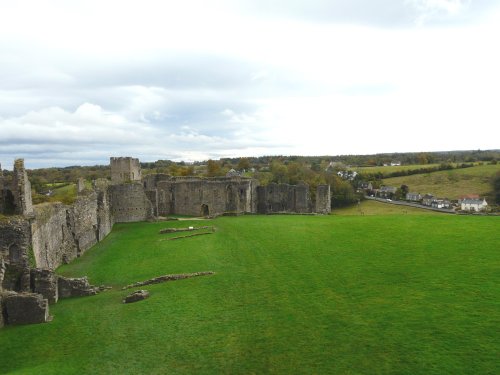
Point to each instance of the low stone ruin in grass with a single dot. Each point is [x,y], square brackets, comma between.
[188,229]
[138,295]
[165,278]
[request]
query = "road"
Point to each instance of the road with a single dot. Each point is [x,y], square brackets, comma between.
[416,205]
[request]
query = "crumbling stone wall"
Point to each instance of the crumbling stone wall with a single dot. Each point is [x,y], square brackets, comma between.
[44,282]
[15,248]
[105,219]
[15,195]
[54,238]
[25,308]
[83,216]
[129,203]
[60,233]
[204,197]
[2,191]
[283,198]
[74,287]
[125,169]
[323,199]
[2,322]
[21,189]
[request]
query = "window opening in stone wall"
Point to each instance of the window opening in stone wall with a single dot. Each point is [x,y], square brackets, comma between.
[14,253]
[10,205]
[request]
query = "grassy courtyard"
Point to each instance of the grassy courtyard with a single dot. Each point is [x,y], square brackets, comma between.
[374,294]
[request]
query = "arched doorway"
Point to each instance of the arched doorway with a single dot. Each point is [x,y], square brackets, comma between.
[204,210]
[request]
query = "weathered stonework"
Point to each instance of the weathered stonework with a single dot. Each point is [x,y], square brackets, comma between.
[44,282]
[80,185]
[54,237]
[75,287]
[2,191]
[200,196]
[323,199]
[21,189]
[283,198]
[125,169]
[105,218]
[15,245]
[15,195]
[2,320]
[129,203]
[25,308]
[138,295]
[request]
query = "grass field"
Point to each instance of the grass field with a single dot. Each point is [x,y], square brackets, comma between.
[369,207]
[393,168]
[384,294]
[450,184]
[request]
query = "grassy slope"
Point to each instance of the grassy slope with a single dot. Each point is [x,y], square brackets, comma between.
[451,184]
[398,294]
[395,168]
[369,207]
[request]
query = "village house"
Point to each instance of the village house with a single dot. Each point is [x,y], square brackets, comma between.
[441,203]
[366,186]
[473,204]
[387,191]
[347,175]
[427,199]
[414,197]
[467,196]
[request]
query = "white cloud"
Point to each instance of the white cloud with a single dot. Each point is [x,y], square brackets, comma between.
[166,81]
[429,10]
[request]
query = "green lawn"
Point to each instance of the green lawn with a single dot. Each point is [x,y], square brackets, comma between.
[385,294]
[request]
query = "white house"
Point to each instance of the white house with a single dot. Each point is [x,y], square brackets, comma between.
[473,204]
[441,203]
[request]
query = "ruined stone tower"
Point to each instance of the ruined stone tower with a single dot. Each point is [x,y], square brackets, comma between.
[21,189]
[323,200]
[125,169]
[15,195]
[2,193]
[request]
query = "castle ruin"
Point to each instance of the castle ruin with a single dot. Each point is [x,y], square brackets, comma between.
[125,169]
[36,239]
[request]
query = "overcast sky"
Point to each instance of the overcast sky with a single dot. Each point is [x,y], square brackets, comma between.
[81,81]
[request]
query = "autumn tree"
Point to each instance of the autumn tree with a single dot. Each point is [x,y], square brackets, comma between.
[243,164]
[279,171]
[213,168]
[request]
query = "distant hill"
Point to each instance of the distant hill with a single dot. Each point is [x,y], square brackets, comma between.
[451,183]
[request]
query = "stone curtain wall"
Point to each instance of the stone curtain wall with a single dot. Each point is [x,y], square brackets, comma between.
[15,246]
[283,198]
[53,235]
[105,219]
[204,197]
[60,233]
[129,203]
[323,199]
